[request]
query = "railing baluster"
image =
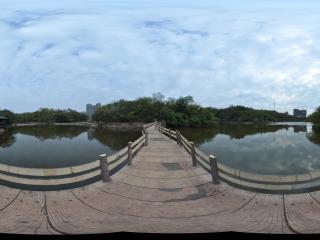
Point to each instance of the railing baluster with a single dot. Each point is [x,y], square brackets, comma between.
[177,136]
[193,154]
[129,153]
[146,139]
[214,169]
[104,168]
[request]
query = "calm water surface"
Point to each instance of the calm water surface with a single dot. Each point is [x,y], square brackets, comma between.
[60,146]
[284,148]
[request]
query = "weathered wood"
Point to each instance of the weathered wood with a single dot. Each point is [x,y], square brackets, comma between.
[104,168]
[129,153]
[177,137]
[146,139]
[193,154]
[214,169]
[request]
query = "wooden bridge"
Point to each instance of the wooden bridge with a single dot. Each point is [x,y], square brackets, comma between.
[160,183]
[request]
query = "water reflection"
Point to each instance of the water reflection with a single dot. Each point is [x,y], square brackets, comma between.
[60,146]
[7,139]
[115,139]
[45,132]
[314,137]
[203,135]
[270,149]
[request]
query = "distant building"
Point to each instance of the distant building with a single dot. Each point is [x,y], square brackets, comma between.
[4,122]
[299,113]
[91,109]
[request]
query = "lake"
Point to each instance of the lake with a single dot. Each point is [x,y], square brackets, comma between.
[279,148]
[60,146]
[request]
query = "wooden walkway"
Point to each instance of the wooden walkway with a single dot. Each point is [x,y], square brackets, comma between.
[161,192]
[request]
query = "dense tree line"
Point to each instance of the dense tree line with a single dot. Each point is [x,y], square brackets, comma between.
[245,114]
[45,115]
[181,112]
[315,118]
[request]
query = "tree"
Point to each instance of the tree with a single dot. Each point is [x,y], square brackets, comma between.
[315,118]
[8,114]
[176,113]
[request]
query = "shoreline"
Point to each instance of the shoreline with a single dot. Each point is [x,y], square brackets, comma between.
[133,125]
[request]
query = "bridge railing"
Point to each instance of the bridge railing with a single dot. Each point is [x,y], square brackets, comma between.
[243,179]
[55,178]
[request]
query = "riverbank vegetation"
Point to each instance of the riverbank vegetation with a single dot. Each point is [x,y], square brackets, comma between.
[9,115]
[315,118]
[181,112]
[240,114]
[46,115]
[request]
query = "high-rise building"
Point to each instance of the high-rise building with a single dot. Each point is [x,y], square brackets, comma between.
[300,113]
[91,109]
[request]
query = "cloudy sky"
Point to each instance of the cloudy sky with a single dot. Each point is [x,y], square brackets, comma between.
[66,53]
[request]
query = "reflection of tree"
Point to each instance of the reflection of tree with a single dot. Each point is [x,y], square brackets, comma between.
[302,128]
[314,136]
[52,131]
[241,131]
[202,135]
[7,139]
[115,139]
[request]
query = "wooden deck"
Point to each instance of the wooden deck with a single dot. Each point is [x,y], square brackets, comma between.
[161,192]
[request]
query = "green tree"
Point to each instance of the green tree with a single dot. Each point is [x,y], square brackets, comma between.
[8,114]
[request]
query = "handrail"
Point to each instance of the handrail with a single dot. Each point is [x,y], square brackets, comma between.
[248,180]
[69,175]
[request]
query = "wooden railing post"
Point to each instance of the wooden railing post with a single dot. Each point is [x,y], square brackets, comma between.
[155,125]
[193,154]
[129,153]
[104,168]
[177,136]
[214,169]
[169,132]
[146,139]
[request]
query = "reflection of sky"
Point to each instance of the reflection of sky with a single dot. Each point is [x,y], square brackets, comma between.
[29,151]
[283,152]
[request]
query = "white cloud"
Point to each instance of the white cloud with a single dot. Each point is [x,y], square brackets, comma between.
[65,54]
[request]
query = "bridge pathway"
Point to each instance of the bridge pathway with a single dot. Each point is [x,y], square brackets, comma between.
[160,192]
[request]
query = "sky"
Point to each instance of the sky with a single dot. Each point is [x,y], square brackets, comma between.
[67,53]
